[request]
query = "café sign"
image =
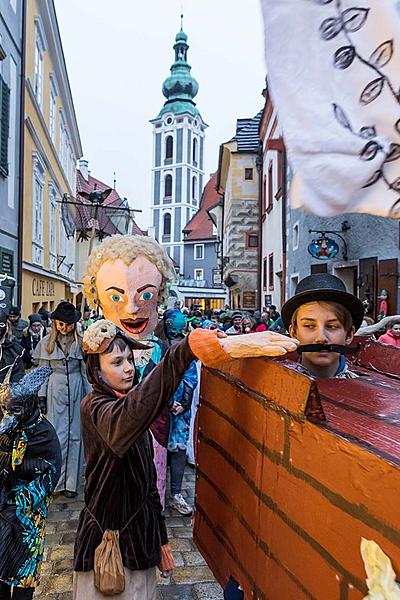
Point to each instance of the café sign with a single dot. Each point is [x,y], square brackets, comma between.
[41,287]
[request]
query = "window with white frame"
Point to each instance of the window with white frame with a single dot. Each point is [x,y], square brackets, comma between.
[198,251]
[199,274]
[37,203]
[52,113]
[38,67]
[296,234]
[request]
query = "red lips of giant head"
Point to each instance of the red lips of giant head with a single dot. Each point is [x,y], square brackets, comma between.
[134,326]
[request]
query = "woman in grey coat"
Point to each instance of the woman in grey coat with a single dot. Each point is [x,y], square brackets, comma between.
[61,396]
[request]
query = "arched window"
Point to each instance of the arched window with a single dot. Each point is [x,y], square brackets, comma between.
[167,224]
[194,152]
[168,186]
[169,147]
[194,188]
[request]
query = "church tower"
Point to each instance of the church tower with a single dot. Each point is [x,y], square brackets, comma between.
[178,149]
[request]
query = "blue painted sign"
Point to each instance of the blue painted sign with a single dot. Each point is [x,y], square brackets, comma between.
[323,248]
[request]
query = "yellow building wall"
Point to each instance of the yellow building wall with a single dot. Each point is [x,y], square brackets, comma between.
[39,118]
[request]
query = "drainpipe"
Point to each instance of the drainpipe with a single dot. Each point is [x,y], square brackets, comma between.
[284,224]
[259,167]
[21,157]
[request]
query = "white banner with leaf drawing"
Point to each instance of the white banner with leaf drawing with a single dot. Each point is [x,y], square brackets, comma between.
[334,76]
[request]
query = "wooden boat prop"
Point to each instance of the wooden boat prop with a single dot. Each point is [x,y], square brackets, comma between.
[293,472]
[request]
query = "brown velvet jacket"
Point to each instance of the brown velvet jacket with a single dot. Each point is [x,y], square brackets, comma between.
[120,477]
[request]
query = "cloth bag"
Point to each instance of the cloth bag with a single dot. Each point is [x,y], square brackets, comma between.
[109,576]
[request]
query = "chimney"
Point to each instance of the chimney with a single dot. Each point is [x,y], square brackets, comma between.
[83,167]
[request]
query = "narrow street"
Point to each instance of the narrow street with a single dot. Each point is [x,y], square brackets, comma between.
[192,579]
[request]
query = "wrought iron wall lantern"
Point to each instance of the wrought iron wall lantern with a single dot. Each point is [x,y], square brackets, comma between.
[324,248]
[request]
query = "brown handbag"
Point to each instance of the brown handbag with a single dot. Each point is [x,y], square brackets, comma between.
[108,568]
[109,576]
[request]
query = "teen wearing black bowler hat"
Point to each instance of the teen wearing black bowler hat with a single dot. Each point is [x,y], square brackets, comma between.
[323,316]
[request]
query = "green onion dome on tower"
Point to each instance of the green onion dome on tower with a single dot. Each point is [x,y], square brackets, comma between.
[180,87]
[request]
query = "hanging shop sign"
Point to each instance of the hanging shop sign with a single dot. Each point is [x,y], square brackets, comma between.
[323,248]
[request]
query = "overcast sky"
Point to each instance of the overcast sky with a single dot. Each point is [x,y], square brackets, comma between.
[119,53]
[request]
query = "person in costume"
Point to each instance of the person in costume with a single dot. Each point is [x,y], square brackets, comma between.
[180,413]
[30,461]
[11,352]
[120,490]
[61,395]
[127,278]
[323,316]
[31,336]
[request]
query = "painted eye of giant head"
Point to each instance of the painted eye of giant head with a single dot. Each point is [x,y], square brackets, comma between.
[169,322]
[116,298]
[146,296]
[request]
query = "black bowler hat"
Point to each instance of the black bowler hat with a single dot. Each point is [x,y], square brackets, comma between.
[323,287]
[66,312]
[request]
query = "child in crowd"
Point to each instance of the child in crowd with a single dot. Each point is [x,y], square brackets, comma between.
[323,316]
[392,335]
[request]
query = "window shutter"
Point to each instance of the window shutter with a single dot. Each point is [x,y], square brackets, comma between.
[4,126]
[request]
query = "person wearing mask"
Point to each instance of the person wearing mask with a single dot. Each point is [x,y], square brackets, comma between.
[31,337]
[17,324]
[30,461]
[236,328]
[392,335]
[11,352]
[61,395]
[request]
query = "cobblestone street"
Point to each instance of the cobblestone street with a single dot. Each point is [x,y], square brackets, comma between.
[192,579]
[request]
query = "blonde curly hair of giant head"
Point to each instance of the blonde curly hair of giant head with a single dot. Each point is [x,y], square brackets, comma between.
[127,248]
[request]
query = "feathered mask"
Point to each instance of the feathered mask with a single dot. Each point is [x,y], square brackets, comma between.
[18,400]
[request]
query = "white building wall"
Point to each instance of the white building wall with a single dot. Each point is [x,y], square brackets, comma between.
[272,221]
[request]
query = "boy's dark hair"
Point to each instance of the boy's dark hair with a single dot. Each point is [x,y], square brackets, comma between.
[118,342]
[342,314]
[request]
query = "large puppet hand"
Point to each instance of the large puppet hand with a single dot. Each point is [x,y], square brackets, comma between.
[264,343]
[167,563]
